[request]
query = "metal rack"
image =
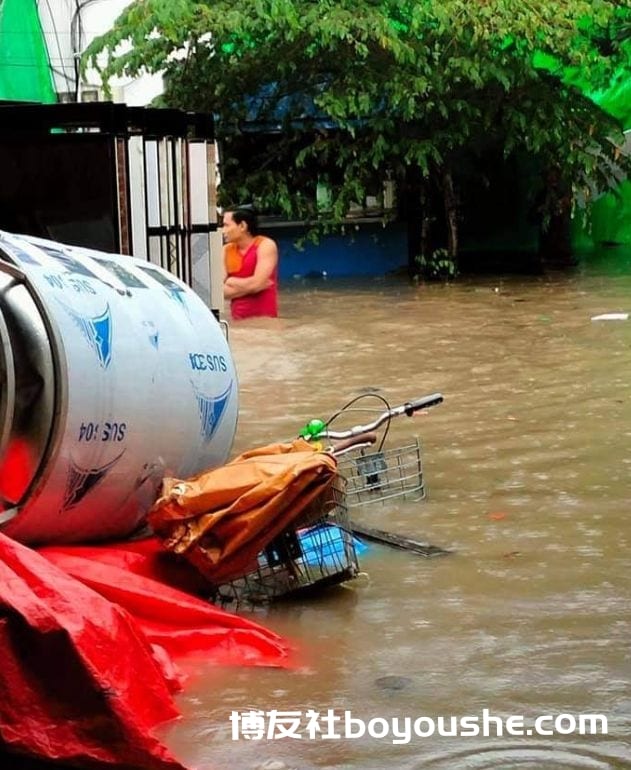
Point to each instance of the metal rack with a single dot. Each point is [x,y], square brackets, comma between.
[317,551]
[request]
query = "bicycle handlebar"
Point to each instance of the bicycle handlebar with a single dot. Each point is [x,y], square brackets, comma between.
[408,409]
[341,446]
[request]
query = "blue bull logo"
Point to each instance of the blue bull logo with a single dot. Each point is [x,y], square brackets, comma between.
[81,481]
[97,331]
[211,410]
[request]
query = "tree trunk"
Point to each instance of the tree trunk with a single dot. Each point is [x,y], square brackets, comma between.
[451,214]
[413,216]
[426,220]
[555,246]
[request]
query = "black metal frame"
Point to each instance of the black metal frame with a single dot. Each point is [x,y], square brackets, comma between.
[31,122]
[107,117]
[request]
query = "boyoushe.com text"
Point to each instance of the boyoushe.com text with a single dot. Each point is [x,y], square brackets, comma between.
[330,724]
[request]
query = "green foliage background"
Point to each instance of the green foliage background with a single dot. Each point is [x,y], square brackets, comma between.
[350,93]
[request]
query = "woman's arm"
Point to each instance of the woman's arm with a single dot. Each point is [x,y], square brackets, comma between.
[266,262]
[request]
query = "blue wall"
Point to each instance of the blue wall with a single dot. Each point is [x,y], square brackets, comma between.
[371,249]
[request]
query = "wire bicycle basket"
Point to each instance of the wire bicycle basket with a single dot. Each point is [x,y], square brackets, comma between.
[381,475]
[377,477]
[317,551]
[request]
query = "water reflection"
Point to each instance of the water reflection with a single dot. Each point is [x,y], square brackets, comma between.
[527,465]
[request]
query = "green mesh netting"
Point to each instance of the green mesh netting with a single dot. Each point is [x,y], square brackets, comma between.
[611,213]
[25,73]
[609,216]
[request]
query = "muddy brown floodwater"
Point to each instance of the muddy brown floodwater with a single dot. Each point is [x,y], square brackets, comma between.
[528,468]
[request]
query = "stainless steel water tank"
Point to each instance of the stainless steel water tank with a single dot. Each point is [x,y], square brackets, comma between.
[113,373]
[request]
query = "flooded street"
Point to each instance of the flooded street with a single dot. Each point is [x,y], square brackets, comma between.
[528,469]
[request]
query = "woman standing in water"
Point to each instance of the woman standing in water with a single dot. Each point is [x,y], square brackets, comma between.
[251,266]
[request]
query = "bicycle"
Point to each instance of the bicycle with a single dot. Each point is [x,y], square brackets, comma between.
[319,548]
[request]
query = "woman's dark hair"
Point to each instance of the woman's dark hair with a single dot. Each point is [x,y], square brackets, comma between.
[245,215]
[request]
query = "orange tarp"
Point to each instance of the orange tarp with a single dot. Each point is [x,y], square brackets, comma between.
[221,519]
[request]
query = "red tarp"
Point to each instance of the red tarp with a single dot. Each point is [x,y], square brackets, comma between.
[136,576]
[84,682]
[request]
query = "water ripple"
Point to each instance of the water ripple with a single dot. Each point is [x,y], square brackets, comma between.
[517,756]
